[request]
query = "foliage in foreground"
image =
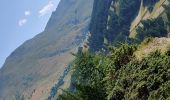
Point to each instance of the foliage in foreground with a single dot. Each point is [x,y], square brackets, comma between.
[120,76]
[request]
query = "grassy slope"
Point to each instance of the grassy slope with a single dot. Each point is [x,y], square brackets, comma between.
[39,61]
[151,45]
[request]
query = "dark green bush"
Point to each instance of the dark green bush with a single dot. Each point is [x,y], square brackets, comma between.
[119,75]
[152,28]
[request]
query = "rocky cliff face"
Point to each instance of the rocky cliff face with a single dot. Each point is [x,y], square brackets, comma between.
[119,20]
[32,69]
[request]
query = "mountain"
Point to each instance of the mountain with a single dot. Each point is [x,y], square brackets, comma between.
[122,20]
[32,69]
[112,68]
[129,53]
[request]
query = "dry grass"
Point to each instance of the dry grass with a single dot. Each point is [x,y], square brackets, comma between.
[152,45]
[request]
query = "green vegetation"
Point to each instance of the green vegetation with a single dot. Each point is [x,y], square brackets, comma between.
[167,12]
[18,97]
[118,25]
[111,20]
[60,82]
[152,28]
[150,4]
[119,75]
[157,27]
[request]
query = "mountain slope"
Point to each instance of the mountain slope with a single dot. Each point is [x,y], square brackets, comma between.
[119,20]
[33,67]
[132,70]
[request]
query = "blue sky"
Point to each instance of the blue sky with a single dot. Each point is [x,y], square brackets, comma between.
[21,20]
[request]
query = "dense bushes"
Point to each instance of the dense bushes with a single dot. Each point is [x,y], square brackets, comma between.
[145,79]
[119,75]
[152,28]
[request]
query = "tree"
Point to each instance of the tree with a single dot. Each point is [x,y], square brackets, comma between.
[152,28]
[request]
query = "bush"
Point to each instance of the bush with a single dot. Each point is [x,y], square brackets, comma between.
[152,28]
[119,75]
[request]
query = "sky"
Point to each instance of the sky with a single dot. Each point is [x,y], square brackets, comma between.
[21,20]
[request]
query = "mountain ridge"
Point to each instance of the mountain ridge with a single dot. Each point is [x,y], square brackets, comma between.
[40,60]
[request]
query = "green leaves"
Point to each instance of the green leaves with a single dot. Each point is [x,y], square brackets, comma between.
[119,75]
[152,28]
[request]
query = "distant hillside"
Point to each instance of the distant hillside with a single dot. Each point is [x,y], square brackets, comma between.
[32,69]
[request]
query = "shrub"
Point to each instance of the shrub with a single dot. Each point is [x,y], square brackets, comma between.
[152,28]
[119,75]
